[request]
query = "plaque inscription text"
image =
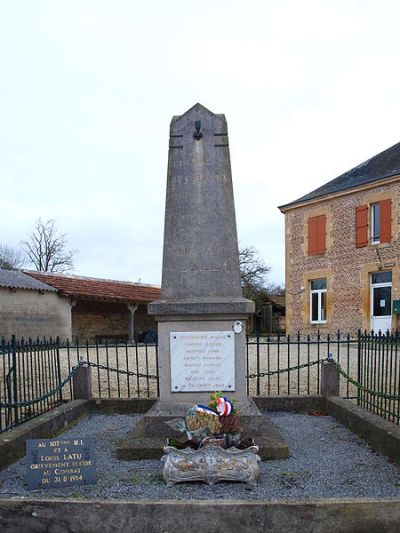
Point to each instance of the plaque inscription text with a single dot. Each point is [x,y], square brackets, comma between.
[202,361]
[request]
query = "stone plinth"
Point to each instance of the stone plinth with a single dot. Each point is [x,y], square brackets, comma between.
[149,437]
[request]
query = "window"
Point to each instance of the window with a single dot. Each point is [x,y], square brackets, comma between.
[384,276]
[318,300]
[317,235]
[375,210]
[374,223]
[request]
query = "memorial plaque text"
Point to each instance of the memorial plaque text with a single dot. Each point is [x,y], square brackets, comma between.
[60,462]
[202,361]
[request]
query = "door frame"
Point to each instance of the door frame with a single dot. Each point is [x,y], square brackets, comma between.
[371,302]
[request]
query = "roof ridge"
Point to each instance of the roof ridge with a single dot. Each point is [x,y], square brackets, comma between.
[381,166]
[89,278]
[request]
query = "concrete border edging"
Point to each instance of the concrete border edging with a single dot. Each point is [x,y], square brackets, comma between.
[12,443]
[290,403]
[382,435]
[92,516]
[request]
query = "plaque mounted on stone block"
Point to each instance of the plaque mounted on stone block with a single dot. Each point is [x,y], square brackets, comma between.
[60,462]
[202,361]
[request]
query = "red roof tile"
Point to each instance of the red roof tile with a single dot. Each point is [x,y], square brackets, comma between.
[98,288]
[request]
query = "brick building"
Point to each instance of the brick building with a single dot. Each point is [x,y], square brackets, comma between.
[343,250]
[102,309]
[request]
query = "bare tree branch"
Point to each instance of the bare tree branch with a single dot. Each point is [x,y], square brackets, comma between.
[45,248]
[253,269]
[10,258]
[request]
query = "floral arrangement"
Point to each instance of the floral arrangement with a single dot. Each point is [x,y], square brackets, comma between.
[217,423]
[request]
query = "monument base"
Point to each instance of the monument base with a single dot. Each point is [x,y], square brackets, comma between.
[148,438]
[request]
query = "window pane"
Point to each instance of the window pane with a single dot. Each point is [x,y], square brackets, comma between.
[375,222]
[314,306]
[382,277]
[382,301]
[318,284]
[323,305]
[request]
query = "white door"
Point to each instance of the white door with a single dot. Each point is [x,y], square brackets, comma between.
[381,302]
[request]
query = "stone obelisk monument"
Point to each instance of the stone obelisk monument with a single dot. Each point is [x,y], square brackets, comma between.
[202,314]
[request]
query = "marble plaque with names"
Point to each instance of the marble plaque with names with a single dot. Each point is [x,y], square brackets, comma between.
[202,361]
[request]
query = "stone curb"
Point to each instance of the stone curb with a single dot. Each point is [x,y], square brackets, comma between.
[12,443]
[382,435]
[92,516]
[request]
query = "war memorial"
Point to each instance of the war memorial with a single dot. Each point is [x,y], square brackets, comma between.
[109,464]
[202,314]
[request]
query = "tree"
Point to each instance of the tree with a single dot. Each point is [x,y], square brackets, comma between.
[10,258]
[46,248]
[277,289]
[253,271]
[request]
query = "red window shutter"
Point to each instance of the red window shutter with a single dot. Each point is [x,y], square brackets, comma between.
[321,234]
[386,220]
[361,226]
[317,235]
[312,236]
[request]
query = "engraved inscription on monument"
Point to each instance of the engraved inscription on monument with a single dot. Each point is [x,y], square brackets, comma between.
[60,462]
[202,361]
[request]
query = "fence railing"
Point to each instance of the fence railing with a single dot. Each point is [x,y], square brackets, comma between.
[291,364]
[36,376]
[379,374]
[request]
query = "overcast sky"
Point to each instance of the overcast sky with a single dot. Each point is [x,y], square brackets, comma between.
[88,88]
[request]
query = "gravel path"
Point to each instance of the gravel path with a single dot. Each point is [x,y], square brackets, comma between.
[326,461]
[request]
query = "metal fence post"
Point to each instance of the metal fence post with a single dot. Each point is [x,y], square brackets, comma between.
[60,397]
[14,376]
[359,365]
[258,361]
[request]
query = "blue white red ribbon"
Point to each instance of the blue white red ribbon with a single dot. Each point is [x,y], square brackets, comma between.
[199,408]
[224,406]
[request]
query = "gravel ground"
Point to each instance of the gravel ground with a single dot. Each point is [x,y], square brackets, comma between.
[326,461]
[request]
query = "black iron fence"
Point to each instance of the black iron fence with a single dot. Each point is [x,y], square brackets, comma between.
[36,376]
[378,374]
[291,364]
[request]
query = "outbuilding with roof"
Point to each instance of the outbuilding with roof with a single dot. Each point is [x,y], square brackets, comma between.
[43,304]
[104,309]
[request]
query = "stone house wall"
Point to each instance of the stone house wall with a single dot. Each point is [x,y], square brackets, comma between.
[346,267]
[31,313]
[107,320]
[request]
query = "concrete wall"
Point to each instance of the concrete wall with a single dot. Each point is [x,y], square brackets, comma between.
[346,267]
[30,313]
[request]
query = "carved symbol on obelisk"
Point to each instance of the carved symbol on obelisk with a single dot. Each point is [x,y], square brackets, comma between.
[197,134]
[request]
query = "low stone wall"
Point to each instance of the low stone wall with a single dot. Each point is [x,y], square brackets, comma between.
[380,434]
[12,443]
[296,404]
[318,516]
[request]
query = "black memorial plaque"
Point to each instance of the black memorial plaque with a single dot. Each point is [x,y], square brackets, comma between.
[60,462]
